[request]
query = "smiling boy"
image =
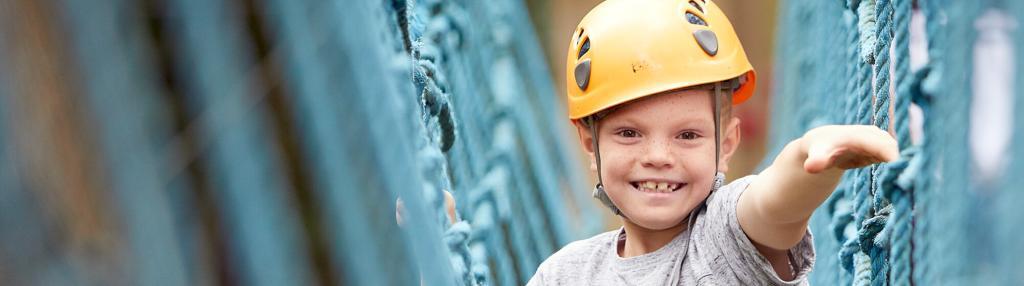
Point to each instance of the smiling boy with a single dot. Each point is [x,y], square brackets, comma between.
[651,85]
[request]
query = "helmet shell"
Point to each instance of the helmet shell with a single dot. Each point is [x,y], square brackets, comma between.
[628,49]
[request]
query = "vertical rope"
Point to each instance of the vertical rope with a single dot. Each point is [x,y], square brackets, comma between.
[880,118]
[108,51]
[901,198]
[923,247]
[861,243]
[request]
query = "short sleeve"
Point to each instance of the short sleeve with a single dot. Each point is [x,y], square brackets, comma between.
[733,249]
[541,276]
[537,279]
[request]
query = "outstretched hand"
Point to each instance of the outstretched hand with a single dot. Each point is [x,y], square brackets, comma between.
[778,203]
[847,147]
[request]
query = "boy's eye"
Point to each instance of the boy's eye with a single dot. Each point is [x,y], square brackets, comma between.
[628,133]
[688,135]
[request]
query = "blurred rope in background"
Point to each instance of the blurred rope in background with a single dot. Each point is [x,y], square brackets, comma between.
[948,212]
[266,142]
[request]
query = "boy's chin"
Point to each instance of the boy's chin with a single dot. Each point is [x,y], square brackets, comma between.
[651,221]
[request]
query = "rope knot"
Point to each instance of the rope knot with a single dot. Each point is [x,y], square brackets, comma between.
[871,234]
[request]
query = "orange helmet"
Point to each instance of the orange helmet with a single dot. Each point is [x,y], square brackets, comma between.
[626,49]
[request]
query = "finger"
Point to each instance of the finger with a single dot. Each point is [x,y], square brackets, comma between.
[885,147]
[892,150]
[875,144]
[449,203]
[854,161]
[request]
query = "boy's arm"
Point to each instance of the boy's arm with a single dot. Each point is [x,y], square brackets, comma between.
[775,208]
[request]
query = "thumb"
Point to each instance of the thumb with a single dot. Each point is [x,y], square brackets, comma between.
[818,159]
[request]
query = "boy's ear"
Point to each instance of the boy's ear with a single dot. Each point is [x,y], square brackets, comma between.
[587,140]
[730,142]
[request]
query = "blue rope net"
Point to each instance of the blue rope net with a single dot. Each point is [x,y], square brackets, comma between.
[267,142]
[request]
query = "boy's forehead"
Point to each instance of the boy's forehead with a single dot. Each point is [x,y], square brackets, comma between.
[674,104]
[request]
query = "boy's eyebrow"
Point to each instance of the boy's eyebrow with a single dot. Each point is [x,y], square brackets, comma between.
[622,122]
[625,121]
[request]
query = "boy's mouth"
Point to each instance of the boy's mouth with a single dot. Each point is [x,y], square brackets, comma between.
[656,187]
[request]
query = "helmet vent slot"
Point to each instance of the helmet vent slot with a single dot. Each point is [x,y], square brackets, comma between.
[584,48]
[695,5]
[694,19]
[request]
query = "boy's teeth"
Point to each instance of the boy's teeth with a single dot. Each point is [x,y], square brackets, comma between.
[660,187]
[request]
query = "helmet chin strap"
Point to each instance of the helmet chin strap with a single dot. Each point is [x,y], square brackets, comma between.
[599,192]
[719,175]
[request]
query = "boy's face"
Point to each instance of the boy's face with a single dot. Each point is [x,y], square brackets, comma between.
[658,155]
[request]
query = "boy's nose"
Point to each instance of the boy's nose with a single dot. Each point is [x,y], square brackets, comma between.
[657,155]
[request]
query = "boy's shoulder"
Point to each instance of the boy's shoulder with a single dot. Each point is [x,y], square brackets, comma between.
[730,193]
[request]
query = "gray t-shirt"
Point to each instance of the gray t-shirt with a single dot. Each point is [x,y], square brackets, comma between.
[719,254]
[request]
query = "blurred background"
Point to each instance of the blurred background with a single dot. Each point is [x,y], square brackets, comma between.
[275,142]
